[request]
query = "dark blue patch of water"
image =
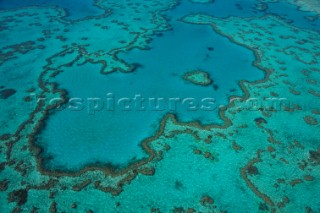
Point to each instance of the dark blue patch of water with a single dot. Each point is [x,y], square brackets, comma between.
[75,9]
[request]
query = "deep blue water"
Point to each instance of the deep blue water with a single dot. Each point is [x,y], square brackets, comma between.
[290,13]
[75,9]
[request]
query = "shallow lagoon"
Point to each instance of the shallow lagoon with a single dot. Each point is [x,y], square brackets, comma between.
[114,136]
[95,161]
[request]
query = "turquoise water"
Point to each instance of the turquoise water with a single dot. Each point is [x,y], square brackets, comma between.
[117,141]
[159,106]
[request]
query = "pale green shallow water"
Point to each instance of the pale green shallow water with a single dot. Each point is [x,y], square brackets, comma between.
[238,149]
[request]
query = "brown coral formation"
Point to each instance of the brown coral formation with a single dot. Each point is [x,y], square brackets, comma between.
[7,93]
[310,120]
[19,196]
[198,77]
[206,200]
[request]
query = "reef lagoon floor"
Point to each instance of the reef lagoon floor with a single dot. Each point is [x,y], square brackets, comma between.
[160,106]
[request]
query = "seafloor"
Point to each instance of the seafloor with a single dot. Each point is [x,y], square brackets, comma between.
[258,151]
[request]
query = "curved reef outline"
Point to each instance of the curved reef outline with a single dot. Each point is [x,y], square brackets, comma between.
[134,169]
[112,171]
[198,77]
[43,110]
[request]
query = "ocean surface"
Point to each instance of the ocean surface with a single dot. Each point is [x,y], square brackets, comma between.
[160,106]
